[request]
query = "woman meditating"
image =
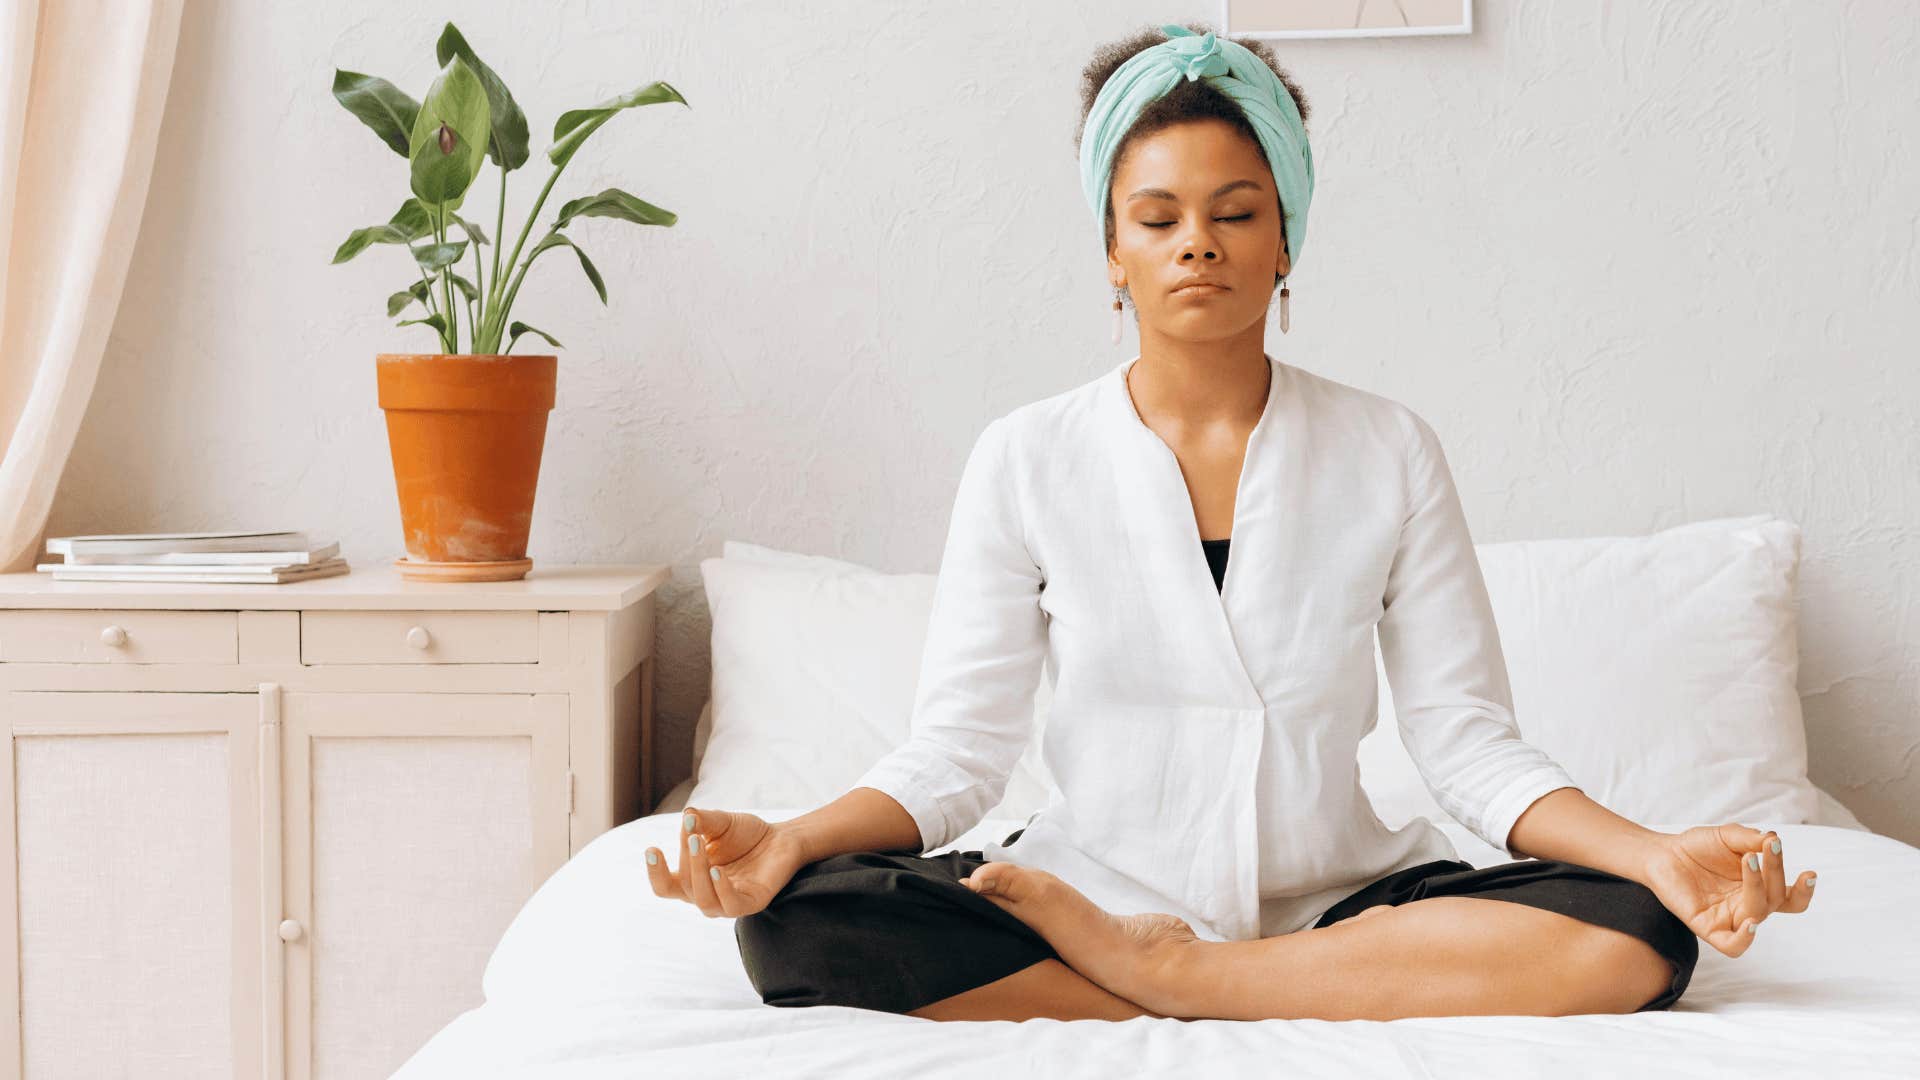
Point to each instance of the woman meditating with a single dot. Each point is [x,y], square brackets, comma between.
[1207,849]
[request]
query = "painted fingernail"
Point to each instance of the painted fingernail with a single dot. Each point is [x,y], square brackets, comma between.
[693,844]
[653,857]
[1753,861]
[713,872]
[1810,881]
[1776,845]
[688,823]
[1753,927]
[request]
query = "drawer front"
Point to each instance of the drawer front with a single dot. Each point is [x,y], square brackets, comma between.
[419,637]
[126,636]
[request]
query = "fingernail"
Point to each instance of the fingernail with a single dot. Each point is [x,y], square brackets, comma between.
[1776,845]
[1810,882]
[688,823]
[713,872]
[693,844]
[1753,861]
[1753,927]
[653,857]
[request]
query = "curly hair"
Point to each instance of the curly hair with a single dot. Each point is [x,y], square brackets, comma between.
[1187,101]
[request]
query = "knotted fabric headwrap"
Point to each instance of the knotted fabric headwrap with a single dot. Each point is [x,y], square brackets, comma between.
[1233,69]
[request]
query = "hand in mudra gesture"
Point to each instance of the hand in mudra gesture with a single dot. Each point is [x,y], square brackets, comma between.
[729,863]
[1707,876]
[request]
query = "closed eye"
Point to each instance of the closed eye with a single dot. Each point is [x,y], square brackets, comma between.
[1164,224]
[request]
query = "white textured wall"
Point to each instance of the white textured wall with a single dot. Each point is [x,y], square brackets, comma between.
[1639,263]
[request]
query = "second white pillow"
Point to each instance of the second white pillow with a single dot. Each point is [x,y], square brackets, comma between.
[815,662]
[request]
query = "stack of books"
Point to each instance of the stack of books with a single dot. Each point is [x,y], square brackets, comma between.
[220,557]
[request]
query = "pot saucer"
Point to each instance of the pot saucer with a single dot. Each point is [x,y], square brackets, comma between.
[504,570]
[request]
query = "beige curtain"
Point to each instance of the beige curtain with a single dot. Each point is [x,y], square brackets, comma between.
[82,83]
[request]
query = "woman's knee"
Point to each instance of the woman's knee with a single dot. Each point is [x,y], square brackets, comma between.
[817,944]
[1615,972]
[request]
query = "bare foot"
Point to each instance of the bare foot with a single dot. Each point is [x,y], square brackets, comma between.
[1123,953]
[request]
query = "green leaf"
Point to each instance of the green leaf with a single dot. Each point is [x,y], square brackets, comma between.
[449,142]
[473,231]
[519,328]
[409,223]
[435,257]
[508,146]
[555,239]
[434,321]
[615,203]
[418,292]
[380,105]
[574,126]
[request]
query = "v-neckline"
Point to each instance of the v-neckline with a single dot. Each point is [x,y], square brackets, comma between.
[1239,481]
[1197,584]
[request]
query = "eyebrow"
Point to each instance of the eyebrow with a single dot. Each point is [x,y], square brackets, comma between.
[1163,193]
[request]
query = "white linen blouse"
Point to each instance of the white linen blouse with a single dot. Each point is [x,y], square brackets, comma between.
[1202,743]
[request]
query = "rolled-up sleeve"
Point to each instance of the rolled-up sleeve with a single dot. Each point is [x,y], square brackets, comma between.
[1441,651]
[985,647]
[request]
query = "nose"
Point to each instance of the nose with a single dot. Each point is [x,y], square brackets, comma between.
[1197,243]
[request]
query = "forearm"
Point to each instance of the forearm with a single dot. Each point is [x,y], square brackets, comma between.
[1565,824]
[864,819]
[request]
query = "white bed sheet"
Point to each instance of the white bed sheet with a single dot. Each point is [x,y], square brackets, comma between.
[598,978]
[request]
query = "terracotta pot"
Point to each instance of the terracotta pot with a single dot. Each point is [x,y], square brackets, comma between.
[466,433]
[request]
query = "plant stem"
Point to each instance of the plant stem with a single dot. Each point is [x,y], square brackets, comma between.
[501,309]
[521,273]
[480,287]
[446,285]
[499,233]
[427,296]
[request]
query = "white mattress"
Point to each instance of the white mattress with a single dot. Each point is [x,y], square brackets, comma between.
[597,977]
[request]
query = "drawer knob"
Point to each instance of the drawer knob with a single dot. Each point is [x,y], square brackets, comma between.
[419,638]
[290,930]
[113,636]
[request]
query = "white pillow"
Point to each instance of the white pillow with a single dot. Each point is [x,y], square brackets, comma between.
[1658,670]
[740,549]
[815,662]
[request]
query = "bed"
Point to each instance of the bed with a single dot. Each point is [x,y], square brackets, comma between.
[598,978]
[1691,716]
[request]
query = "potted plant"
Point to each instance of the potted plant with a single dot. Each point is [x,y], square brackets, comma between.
[466,428]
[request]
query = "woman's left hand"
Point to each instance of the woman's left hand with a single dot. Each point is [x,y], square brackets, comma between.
[1707,876]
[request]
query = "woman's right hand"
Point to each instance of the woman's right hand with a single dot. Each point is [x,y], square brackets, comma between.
[730,864]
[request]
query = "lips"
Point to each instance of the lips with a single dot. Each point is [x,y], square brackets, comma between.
[1199,285]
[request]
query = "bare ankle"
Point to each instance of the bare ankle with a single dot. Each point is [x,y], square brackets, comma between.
[1163,972]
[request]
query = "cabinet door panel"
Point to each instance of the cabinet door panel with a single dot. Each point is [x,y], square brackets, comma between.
[417,825]
[134,873]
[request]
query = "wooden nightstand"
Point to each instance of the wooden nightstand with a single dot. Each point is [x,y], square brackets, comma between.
[278,829]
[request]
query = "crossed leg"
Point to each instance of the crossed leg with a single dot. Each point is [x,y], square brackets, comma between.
[1441,956]
[1047,990]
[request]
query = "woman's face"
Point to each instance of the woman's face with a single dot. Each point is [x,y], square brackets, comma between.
[1196,200]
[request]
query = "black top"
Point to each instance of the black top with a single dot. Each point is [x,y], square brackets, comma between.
[1217,559]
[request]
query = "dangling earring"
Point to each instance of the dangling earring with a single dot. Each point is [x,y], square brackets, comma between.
[1116,316]
[1285,314]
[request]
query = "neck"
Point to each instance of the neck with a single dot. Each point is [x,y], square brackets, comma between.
[1200,382]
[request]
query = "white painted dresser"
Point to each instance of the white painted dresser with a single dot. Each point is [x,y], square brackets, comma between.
[274,831]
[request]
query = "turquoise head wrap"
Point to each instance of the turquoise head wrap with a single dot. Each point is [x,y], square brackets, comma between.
[1235,71]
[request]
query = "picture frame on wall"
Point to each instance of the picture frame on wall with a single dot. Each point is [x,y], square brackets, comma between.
[1275,19]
